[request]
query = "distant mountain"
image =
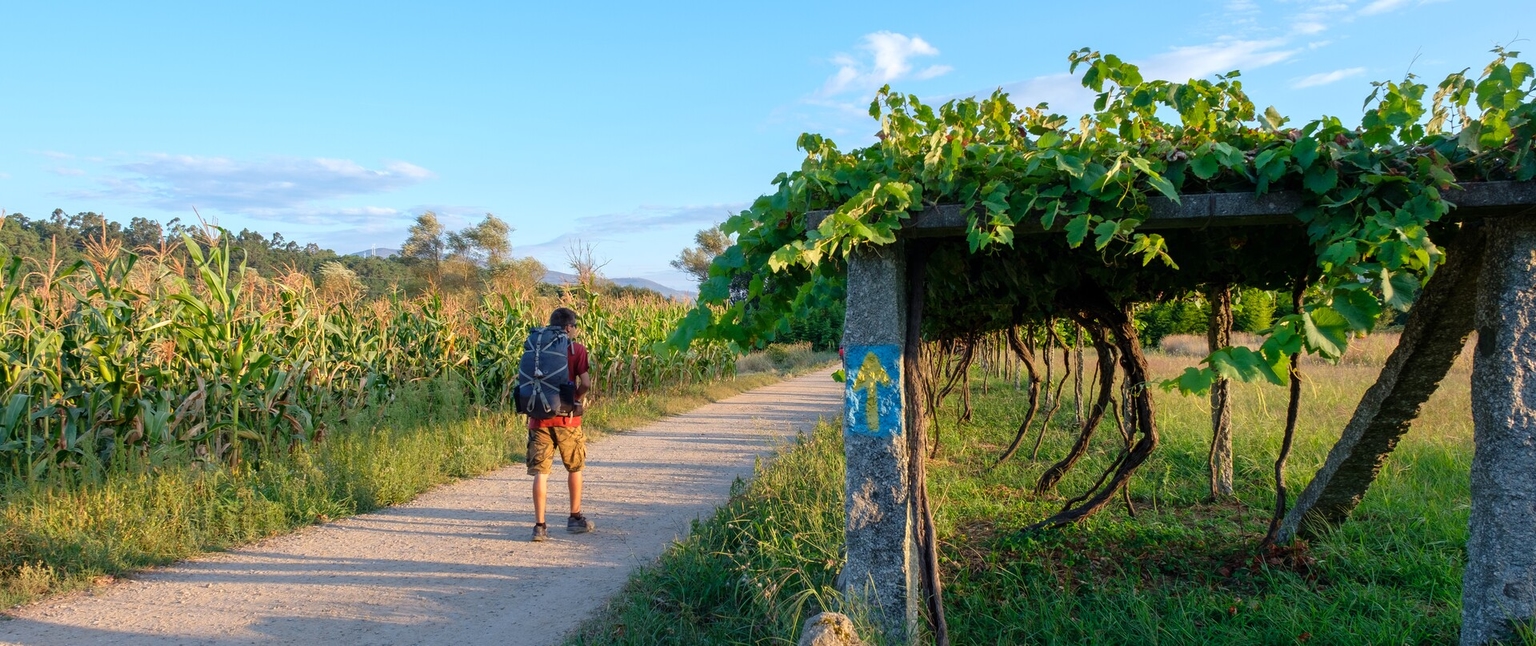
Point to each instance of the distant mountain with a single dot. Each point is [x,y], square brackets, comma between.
[561,278]
[656,287]
[376,253]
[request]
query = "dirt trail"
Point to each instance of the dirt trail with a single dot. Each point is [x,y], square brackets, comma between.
[455,565]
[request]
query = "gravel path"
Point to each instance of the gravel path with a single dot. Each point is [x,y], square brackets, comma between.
[455,565]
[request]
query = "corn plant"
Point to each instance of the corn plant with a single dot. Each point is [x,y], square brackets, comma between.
[210,361]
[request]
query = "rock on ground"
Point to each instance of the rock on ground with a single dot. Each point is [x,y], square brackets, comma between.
[829,629]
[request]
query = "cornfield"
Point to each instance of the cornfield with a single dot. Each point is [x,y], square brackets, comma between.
[147,353]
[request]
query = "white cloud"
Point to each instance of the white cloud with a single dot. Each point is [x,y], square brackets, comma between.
[1325,78]
[645,219]
[66,171]
[1382,6]
[1316,17]
[289,188]
[1067,95]
[886,58]
[640,241]
[1199,61]
[933,71]
[54,154]
[5,175]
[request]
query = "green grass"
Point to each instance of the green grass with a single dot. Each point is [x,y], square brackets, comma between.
[754,571]
[71,533]
[1183,571]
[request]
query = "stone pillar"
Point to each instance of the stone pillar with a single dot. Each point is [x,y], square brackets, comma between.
[1500,582]
[882,571]
[1436,331]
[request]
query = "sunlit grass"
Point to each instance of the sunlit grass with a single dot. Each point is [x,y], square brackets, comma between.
[1183,571]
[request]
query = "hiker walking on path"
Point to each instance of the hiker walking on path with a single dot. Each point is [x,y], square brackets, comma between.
[553,377]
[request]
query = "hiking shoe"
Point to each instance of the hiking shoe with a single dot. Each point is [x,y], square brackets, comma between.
[578,524]
[540,532]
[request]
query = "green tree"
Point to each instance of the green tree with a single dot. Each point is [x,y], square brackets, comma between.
[424,246]
[488,244]
[695,260]
[142,233]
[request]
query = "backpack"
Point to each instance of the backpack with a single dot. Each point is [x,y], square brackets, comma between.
[545,388]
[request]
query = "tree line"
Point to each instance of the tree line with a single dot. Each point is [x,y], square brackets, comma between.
[476,259]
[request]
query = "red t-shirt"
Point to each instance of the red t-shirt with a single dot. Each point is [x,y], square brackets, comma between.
[577,366]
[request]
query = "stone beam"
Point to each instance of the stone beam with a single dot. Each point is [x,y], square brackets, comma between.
[882,571]
[1499,586]
[1472,200]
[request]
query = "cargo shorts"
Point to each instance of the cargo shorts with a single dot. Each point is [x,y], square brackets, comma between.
[542,443]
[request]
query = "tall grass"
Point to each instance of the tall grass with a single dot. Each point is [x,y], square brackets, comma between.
[66,532]
[753,572]
[1182,571]
[1185,570]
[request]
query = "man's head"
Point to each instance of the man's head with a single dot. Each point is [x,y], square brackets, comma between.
[563,318]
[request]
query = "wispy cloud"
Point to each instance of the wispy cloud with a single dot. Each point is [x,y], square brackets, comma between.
[648,232]
[53,154]
[1387,6]
[1324,78]
[884,57]
[1317,16]
[66,171]
[1382,6]
[287,188]
[645,219]
[1066,94]
[1199,61]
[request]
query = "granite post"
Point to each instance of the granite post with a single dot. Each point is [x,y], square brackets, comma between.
[882,571]
[1499,587]
[1436,331]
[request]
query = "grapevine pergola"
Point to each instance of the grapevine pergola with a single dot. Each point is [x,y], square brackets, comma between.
[980,216]
[1490,275]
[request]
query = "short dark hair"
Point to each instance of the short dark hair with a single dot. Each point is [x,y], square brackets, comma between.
[562,317]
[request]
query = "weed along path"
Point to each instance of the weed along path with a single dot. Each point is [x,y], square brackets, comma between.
[454,566]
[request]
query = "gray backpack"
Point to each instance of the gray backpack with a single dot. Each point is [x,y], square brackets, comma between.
[545,387]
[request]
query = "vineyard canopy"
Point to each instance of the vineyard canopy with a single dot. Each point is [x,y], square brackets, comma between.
[1372,201]
[980,215]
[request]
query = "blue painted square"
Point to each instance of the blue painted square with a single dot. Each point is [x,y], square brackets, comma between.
[872,390]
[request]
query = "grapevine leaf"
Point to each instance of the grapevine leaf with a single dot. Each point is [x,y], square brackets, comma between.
[1273,119]
[1205,166]
[1327,332]
[1194,381]
[1077,229]
[1105,233]
[1398,289]
[1304,151]
[1359,307]
[1157,181]
[1320,179]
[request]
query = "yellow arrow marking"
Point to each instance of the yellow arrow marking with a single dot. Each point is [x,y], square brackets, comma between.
[871,376]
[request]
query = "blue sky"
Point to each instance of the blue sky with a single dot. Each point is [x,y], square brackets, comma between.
[625,126]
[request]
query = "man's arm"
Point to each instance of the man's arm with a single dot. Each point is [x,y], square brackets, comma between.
[583,384]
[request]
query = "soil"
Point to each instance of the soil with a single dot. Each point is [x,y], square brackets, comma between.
[454,566]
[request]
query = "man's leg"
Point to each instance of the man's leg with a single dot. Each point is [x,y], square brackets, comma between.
[573,452]
[540,449]
[540,488]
